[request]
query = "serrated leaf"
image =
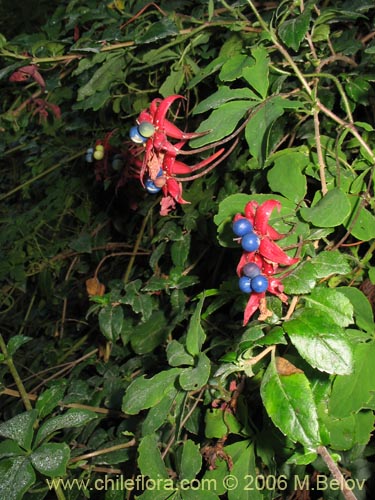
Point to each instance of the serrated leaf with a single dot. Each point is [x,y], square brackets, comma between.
[353,430]
[329,211]
[194,378]
[110,322]
[293,31]
[330,262]
[191,460]
[221,122]
[149,459]
[286,177]
[104,76]
[177,354]
[145,393]
[335,304]
[20,428]
[195,336]
[51,459]
[234,66]
[16,477]
[141,303]
[50,398]
[257,74]
[289,402]
[321,342]
[16,342]
[180,251]
[354,392]
[145,337]
[71,418]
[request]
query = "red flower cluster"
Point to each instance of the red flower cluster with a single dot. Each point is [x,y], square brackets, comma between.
[160,168]
[268,256]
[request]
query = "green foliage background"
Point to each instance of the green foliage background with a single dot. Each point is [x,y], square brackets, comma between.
[157,376]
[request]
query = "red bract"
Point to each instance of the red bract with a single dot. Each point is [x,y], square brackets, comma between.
[267,257]
[27,72]
[159,154]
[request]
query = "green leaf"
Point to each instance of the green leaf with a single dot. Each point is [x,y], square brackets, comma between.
[208,70]
[347,432]
[51,459]
[363,314]
[323,343]
[219,423]
[301,280]
[177,354]
[286,176]
[158,414]
[50,398]
[16,477]
[141,303]
[145,393]
[71,418]
[354,392]
[110,322]
[257,74]
[288,399]
[293,31]
[180,251]
[223,95]
[258,128]
[195,378]
[145,337]
[158,30]
[243,469]
[330,211]
[333,303]
[195,335]
[360,222]
[221,122]
[109,72]
[20,428]
[9,448]
[16,342]
[234,67]
[330,262]
[149,460]
[191,460]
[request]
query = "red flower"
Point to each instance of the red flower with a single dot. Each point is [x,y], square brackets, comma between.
[159,164]
[267,257]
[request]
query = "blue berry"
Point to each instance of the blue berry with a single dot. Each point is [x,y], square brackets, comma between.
[150,187]
[250,270]
[89,155]
[259,284]
[135,136]
[241,227]
[244,284]
[250,242]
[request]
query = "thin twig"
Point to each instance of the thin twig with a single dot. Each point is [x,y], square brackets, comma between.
[336,473]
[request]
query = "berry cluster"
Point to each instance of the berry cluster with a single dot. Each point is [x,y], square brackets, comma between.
[261,257]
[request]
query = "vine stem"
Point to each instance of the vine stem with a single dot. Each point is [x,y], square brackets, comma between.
[97,453]
[336,473]
[15,375]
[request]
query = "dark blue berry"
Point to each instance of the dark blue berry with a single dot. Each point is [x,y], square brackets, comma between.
[250,270]
[241,227]
[250,242]
[259,284]
[135,136]
[244,284]
[150,187]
